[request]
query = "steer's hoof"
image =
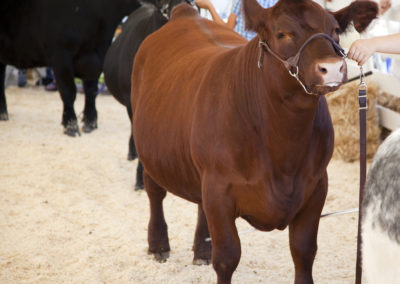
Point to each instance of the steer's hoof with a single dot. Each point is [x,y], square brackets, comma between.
[89,126]
[201,261]
[161,256]
[4,116]
[72,129]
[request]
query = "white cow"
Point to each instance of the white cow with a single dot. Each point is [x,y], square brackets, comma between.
[381,209]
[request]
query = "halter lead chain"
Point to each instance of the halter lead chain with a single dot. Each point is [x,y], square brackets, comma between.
[293,62]
[362,91]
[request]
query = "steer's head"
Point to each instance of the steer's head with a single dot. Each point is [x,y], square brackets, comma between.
[286,27]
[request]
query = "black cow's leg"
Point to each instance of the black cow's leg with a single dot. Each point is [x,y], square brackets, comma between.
[139,177]
[202,243]
[132,154]
[3,102]
[132,149]
[157,234]
[225,240]
[64,76]
[303,234]
[90,113]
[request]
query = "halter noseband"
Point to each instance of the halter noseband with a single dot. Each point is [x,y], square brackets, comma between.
[293,62]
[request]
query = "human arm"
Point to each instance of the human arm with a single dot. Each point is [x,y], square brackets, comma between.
[206,4]
[362,49]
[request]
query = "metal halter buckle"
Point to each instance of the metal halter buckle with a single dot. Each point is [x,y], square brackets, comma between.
[362,91]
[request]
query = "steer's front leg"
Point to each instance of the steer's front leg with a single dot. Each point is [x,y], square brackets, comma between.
[303,233]
[157,230]
[201,244]
[219,208]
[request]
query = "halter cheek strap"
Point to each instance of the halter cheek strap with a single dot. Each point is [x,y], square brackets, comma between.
[292,63]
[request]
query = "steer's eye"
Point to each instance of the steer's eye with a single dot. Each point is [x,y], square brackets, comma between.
[335,34]
[280,35]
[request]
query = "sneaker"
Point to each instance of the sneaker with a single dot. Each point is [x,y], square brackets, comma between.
[51,87]
[21,78]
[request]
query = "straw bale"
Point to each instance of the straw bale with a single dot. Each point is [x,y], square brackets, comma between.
[343,106]
[389,101]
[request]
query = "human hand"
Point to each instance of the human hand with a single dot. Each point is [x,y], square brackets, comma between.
[361,50]
[204,4]
[384,5]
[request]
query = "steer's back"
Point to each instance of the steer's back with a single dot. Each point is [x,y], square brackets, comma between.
[170,69]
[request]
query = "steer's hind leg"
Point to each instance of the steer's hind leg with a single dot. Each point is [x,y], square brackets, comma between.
[158,229]
[3,102]
[64,75]
[90,113]
[219,208]
[303,234]
[202,242]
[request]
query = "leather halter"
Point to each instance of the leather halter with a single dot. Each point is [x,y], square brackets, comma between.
[292,63]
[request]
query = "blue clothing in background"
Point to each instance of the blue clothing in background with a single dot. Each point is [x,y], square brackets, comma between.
[240,25]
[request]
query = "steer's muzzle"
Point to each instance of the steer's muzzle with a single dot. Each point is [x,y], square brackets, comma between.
[331,73]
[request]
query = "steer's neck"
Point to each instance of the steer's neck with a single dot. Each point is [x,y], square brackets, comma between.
[275,104]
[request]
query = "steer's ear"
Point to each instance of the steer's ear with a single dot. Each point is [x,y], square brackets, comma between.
[252,14]
[360,12]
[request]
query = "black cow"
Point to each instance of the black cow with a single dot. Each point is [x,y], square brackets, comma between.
[71,36]
[119,58]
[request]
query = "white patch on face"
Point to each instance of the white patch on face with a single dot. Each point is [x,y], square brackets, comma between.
[380,254]
[331,71]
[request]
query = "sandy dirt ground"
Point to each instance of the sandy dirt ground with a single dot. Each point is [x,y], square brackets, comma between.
[69,214]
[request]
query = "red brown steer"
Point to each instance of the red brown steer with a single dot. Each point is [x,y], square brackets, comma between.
[241,141]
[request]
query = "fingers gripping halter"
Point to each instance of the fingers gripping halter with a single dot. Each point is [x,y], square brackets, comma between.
[292,63]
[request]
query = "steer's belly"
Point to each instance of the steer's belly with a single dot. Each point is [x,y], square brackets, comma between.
[261,225]
[269,223]
[272,206]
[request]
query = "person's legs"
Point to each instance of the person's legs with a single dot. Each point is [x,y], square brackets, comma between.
[49,81]
[21,77]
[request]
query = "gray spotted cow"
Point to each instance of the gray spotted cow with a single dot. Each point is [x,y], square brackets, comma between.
[381,221]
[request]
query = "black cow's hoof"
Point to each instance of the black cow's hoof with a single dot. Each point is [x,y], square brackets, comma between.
[72,129]
[201,261]
[139,186]
[161,256]
[89,126]
[131,156]
[4,116]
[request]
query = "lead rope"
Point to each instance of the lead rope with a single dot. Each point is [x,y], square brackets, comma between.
[362,106]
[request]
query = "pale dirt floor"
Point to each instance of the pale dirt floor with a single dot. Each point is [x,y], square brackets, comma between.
[69,214]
